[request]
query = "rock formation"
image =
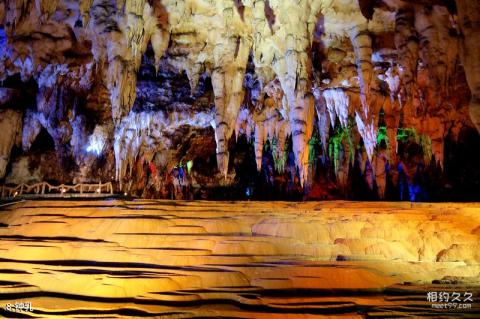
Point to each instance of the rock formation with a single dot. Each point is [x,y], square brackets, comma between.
[191,259]
[317,85]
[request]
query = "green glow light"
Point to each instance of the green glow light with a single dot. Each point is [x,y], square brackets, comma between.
[189,166]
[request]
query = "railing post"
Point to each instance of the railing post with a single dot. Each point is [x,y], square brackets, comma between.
[43,188]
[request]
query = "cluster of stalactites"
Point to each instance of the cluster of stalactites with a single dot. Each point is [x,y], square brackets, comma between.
[265,125]
[419,86]
[142,135]
[121,34]
[219,37]
[119,31]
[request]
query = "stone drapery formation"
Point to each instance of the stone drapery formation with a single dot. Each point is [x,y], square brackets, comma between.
[350,76]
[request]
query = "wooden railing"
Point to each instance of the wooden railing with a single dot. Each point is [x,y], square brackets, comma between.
[45,188]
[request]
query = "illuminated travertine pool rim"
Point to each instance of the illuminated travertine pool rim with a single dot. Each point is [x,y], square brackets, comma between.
[240,259]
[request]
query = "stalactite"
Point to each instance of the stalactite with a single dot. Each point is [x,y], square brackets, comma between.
[469,22]
[15,11]
[259,141]
[362,44]
[392,121]
[433,139]
[242,123]
[301,122]
[252,50]
[46,7]
[365,118]
[292,65]
[227,81]
[437,47]
[31,128]
[11,128]
[323,118]
[341,152]
[368,132]
[143,133]
[282,130]
[271,118]
[135,33]
[121,79]
[343,167]
[85,6]
[406,42]
[338,103]
[97,142]
[392,77]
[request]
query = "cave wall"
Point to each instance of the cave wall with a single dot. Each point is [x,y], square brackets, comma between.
[243,99]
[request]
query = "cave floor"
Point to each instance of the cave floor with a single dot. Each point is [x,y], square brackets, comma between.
[180,259]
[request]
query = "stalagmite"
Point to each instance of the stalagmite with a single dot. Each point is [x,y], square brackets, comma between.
[379,168]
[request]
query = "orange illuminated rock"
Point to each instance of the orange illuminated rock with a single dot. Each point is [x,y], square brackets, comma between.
[243,259]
